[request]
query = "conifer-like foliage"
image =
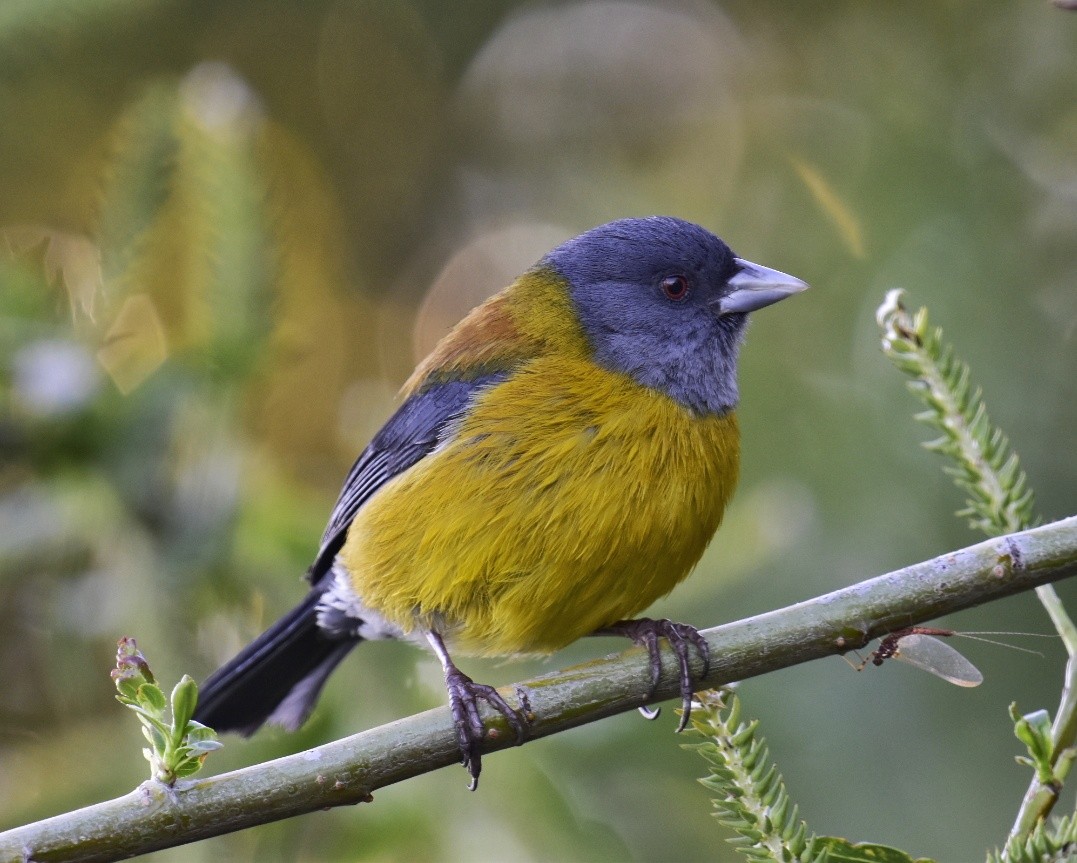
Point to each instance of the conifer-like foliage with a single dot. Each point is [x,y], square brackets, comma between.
[1000,500]
[752,800]
[1047,843]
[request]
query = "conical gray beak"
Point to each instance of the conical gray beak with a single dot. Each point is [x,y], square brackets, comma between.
[755,287]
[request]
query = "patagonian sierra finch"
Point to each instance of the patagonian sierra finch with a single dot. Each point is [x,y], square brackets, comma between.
[558,462]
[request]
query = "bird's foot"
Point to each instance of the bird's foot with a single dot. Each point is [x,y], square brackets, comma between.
[681,636]
[464,697]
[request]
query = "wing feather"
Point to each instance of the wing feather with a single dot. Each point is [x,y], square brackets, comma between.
[413,432]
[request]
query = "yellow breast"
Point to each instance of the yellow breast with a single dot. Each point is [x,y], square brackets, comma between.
[569,498]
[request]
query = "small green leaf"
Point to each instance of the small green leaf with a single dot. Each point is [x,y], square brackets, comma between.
[184,699]
[1040,720]
[1034,730]
[842,851]
[198,731]
[188,768]
[150,696]
[147,718]
[155,737]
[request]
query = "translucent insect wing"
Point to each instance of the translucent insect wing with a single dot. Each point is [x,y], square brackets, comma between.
[938,658]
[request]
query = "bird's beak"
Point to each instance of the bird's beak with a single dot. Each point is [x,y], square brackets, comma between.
[755,287]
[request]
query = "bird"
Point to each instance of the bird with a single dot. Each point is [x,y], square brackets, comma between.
[556,464]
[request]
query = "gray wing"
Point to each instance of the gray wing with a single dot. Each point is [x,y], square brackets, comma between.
[410,434]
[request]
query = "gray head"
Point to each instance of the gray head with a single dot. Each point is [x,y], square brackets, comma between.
[665,302]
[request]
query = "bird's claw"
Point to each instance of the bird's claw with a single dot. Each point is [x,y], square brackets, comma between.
[464,697]
[646,632]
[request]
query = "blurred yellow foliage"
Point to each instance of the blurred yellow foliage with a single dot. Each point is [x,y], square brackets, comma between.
[833,205]
[135,345]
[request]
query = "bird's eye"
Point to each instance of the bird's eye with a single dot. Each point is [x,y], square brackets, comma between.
[675,287]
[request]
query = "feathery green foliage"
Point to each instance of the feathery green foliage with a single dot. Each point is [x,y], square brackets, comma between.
[999,498]
[999,502]
[1047,843]
[137,184]
[753,801]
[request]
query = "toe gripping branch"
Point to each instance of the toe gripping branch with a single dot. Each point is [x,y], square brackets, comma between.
[464,697]
[645,632]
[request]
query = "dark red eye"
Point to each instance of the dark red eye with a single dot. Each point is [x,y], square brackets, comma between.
[675,287]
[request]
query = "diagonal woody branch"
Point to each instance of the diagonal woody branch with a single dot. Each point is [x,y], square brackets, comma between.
[348,771]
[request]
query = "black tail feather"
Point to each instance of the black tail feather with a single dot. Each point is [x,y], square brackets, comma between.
[276,678]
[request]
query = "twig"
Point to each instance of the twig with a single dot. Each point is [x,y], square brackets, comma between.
[348,771]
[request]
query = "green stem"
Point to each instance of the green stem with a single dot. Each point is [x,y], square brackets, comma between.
[347,771]
[1040,799]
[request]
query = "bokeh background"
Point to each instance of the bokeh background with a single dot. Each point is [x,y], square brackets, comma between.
[229,229]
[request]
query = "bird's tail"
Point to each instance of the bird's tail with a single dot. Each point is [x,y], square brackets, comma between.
[276,678]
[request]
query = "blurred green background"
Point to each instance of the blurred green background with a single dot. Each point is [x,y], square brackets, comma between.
[229,229]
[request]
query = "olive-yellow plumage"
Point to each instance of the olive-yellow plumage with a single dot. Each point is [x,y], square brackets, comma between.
[541,535]
[558,463]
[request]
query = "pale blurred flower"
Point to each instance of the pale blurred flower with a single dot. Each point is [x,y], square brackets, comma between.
[54,376]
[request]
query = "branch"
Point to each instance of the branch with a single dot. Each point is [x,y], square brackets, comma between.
[347,771]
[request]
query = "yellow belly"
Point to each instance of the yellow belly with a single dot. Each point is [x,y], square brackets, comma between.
[568,499]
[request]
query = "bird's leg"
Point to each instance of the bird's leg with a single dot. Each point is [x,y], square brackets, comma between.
[646,633]
[464,695]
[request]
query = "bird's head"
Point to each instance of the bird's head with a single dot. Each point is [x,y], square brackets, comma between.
[666,302]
